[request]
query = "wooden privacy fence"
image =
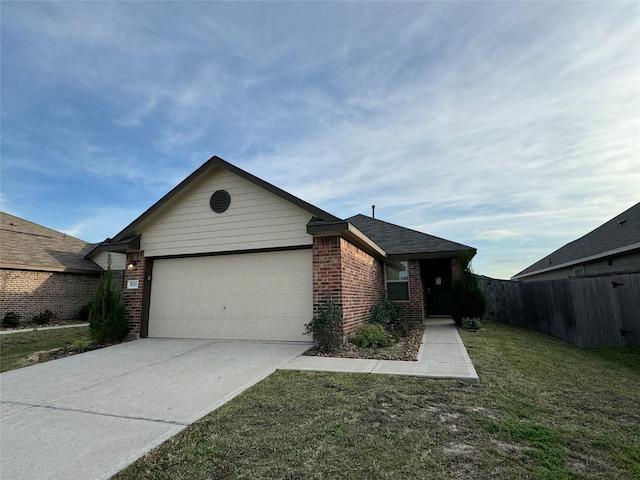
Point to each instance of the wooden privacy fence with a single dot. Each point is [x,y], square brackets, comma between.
[585,311]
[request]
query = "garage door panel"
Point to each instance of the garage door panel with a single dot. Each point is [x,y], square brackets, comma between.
[258,296]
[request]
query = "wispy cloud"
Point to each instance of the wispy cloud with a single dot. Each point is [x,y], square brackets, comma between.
[512,127]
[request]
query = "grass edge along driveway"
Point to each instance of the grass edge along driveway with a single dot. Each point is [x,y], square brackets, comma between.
[543,410]
[16,347]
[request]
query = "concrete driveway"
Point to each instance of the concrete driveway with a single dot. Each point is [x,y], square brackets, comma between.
[87,416]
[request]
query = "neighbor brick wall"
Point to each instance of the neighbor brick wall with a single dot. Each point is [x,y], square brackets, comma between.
[28,293]
[362,285]
[133,297]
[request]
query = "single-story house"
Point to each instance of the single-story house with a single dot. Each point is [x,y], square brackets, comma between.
[43,269]
[612,248]
[227,255]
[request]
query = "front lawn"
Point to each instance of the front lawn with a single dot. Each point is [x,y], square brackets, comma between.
[16,347]
[543,410]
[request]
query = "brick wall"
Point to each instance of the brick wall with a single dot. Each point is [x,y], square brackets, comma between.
[456,271]
[133,297]
[414,308]
[28,293]
[347,275]
[362,285]
[327,279]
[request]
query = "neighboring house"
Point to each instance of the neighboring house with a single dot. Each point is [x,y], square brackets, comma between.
[42,269]
[227,255]
[612,248]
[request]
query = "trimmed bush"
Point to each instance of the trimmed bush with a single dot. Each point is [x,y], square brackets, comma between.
[11,320]
[44,317]
[326,328]
[107,316]
[387,314]
[373,335]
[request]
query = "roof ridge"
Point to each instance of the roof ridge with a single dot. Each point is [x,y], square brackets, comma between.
[37,225]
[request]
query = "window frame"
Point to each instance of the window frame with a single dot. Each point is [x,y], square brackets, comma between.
[404,281]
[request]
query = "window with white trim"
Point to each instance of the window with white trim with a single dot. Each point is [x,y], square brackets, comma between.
[397,278]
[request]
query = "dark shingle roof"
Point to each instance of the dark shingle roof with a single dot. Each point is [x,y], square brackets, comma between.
[401,241]
[618,233]
[27,245]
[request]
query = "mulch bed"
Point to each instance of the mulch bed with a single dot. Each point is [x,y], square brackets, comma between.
[404,349]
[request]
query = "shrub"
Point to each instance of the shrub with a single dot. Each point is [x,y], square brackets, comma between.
[80,346]
[326,328]
[471,323]
[44,317]
[389,315]
[11,320]
[467,299]
[107,316]
[372,335]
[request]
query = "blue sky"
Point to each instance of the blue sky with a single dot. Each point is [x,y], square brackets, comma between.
[512,127]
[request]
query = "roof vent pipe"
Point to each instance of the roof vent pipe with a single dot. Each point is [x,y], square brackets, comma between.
[373,211]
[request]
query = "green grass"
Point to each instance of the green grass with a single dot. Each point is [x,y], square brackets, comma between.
[543,410]
[16,347]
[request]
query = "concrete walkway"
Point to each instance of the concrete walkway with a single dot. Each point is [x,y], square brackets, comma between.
[441,355]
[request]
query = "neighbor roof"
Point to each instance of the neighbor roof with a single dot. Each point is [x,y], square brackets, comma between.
[26,245]
[401,242]
[619,235]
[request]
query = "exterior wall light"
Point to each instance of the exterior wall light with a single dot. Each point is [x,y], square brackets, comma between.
[132,264]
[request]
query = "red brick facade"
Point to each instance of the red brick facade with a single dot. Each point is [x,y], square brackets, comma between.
[355,280]
[413,309]
[456,272]
[362,285]
[350,277]
[132,297]
[29,293]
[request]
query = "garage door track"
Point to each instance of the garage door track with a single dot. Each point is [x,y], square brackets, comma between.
[87,416]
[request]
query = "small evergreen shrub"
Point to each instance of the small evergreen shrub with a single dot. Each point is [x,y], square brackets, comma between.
[107,316]
[11,320]
[326,328]
[44,317]
[471,323]
[387,314]
[80,346]
[372,335]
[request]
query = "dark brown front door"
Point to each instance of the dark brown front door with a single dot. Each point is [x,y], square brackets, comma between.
[436,281]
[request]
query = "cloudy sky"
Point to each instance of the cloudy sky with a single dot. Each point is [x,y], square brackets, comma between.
[513,127]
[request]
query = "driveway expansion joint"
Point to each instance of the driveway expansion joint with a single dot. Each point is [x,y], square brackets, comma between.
[91,412]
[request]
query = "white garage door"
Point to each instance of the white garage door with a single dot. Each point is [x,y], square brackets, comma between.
[255,296]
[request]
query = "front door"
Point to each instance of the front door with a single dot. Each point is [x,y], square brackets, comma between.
[436,281]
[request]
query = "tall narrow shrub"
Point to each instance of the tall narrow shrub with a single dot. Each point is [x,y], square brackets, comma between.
[107,316]
[467,299]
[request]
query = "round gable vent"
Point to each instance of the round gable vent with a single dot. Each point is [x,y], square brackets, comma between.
[220,201]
